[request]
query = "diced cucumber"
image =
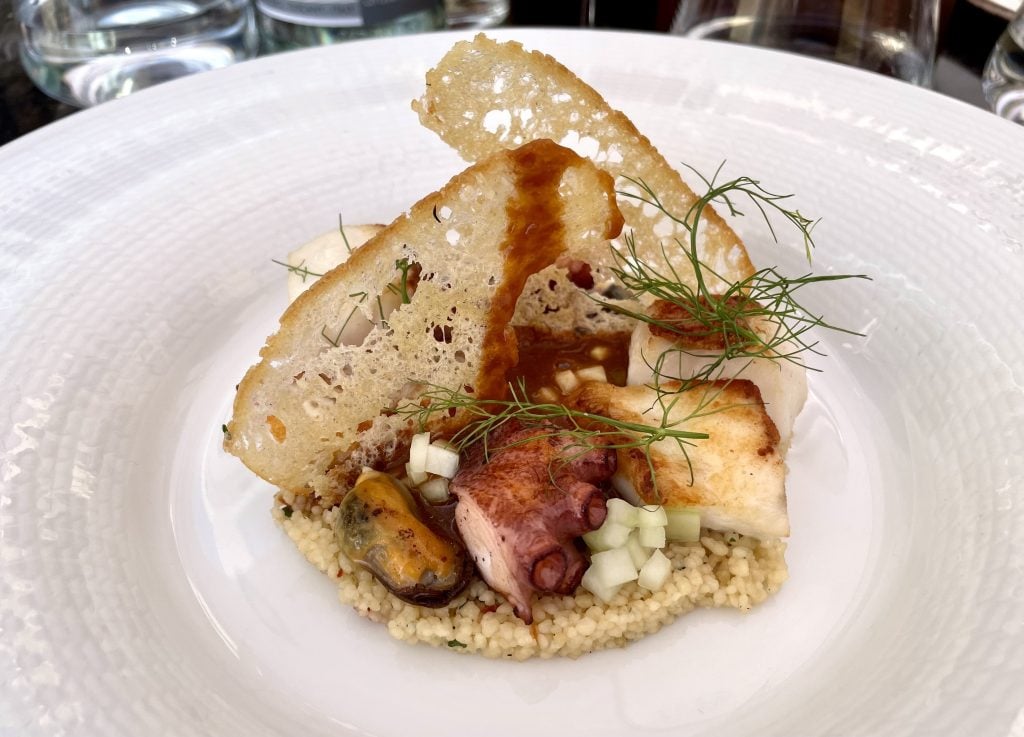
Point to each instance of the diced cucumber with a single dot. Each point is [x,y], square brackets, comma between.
[655,572]
[651,516]
[592,583]
[547,395]
[622,512]
[683,525]
[435,490]
[636,550]
[607,536]
[415,477]
[441,461]
[651,537]
[418,454]
[592,373]
[613,567]
[567,381]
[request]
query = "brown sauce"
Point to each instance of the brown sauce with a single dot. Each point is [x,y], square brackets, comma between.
[542,355]
[534,239]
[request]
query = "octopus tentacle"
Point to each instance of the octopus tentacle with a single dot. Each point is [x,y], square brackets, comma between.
[520,511]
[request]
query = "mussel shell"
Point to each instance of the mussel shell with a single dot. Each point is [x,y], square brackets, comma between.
[379,529]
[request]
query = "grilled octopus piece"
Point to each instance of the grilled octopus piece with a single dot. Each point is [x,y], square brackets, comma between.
[521,528]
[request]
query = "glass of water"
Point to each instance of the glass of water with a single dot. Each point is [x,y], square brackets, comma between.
[893,37]
[84,52]
[293,24]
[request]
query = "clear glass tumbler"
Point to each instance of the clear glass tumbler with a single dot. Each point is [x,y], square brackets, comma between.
[893,37]
[1003,80]
[293,24]
[84,52]
[476,13]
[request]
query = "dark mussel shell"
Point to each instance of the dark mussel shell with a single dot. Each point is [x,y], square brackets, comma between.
[378,528]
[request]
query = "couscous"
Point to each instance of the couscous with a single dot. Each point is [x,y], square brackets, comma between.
[721,570]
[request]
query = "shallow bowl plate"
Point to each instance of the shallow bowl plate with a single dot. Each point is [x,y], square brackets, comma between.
[144,588]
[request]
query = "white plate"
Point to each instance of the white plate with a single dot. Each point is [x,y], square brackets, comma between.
[144,588]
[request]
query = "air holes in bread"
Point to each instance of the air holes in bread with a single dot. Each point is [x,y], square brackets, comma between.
[374,311]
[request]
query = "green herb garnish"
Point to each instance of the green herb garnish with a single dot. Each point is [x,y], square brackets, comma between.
[456,643]
[336,340]
[402,288]
[766,299]
[299,269]
[341,230]
[586,430]
[733,315]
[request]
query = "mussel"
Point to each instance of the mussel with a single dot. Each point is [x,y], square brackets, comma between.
[378,528]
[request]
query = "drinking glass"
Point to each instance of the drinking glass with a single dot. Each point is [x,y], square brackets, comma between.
[293,24]
[893,37]
[84,52]
[476,13]
[1003,80]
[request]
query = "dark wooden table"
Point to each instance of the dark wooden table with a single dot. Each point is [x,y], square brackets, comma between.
[967,36]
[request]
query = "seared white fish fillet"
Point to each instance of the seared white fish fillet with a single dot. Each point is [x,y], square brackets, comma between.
[738,474]
[689,347]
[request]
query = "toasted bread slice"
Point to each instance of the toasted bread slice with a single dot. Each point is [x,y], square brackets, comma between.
[316,407]
[486,96]
[738,475]
[550,302]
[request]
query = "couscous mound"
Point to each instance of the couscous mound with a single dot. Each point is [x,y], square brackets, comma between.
[722,570]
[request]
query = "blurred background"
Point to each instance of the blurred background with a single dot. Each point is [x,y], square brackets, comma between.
[968,31]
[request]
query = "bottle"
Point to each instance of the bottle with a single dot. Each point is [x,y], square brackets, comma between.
[293,24]
[1003,78]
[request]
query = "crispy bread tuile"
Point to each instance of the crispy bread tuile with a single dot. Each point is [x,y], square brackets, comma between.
[314,410]
[485,96]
